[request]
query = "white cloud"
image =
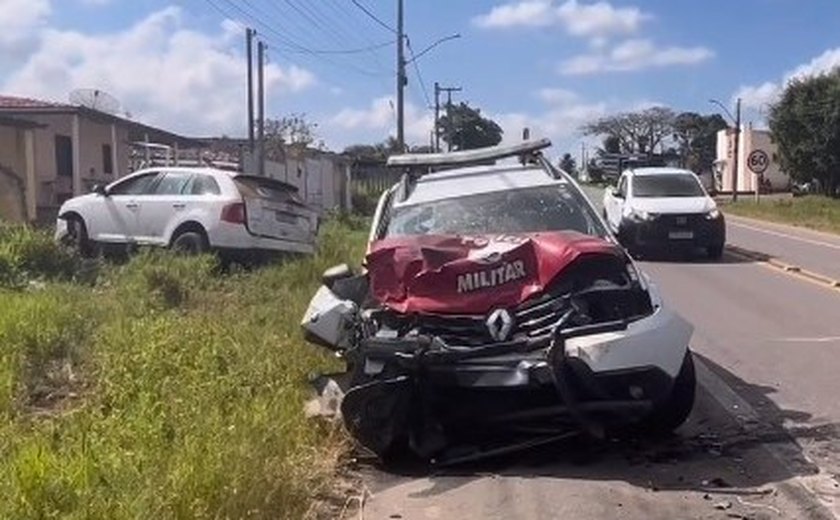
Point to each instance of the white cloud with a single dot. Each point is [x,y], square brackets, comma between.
[183,80]
[596,20]
[19,22]
[757,96]
[632,55]
[600,19]
[533,13]
[376,122]
[95,3]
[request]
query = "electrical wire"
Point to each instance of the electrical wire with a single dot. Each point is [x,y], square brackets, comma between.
[373,16]
[283,42]
[419,75]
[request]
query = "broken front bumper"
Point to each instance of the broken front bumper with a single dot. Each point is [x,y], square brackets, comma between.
[425,393]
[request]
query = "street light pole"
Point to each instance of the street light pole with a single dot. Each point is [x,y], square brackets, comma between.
[437,116]
[737,147]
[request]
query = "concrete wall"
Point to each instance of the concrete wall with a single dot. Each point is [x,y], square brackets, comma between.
[321,178]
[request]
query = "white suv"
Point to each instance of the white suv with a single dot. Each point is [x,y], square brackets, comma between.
[193,210]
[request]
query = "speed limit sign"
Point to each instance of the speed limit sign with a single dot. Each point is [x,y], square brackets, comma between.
[758,161]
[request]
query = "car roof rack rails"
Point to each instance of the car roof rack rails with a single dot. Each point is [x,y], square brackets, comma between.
[417,165]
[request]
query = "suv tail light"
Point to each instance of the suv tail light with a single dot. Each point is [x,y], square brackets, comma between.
[234,213]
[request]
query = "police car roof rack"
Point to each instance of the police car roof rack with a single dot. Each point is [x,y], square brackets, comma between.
[419,164]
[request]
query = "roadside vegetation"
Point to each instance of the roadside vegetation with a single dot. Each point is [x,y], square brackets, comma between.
[815,212]
[160,388]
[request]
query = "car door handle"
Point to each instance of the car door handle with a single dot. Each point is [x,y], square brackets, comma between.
[132,205]
[179,205]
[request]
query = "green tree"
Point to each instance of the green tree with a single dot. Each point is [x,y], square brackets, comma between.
[291,130]
[806,126]
[568,164]
[696,139]
[378,151]
[636,132]
[610,144]
[464,128]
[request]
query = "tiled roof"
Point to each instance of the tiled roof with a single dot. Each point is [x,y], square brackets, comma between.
[15,102]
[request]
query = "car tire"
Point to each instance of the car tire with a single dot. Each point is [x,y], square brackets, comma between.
[715,252]
[190,243]
[676,408]
[77,236]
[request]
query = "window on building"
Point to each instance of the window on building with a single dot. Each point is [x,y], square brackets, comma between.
[63,156]
[107,159]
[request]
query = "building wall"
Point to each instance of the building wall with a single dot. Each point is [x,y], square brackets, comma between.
[750,140]
[12,174]
[52,189]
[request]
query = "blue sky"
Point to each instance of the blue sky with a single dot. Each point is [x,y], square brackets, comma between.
[551,65]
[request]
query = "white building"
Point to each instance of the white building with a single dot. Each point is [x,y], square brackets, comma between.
[757,161]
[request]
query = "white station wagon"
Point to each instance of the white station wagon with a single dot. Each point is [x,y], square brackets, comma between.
[193,210]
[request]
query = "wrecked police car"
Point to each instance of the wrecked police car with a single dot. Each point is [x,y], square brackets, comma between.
[496,312]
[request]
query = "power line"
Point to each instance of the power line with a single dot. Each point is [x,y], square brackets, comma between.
[284,42]
[419,75]
[373,16]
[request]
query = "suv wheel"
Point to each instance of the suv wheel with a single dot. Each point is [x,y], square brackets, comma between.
[674,410]
[190,243]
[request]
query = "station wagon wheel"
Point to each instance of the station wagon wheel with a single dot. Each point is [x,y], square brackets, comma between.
[77,236]
[190,243]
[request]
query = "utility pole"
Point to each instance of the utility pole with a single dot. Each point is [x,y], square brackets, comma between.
[437,117]
[401,79]
[736,150]
[249,50]
[449,126]
[261,107]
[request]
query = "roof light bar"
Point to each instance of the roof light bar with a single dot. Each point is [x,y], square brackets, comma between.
[466,157]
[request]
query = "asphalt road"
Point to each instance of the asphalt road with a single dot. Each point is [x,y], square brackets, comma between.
[762,442]
[812,250]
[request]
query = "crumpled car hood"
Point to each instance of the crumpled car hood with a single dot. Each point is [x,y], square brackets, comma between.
[445,274]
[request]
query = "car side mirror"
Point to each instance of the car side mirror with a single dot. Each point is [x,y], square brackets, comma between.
[99,189]
[336,273]
[616,192]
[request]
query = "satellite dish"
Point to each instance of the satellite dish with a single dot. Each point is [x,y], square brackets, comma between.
[95,99]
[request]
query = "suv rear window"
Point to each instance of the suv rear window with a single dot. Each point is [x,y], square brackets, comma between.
[254,187]
[523,210]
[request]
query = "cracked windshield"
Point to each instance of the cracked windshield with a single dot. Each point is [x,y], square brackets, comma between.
[404,259]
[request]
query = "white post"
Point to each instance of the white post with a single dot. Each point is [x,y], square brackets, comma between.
[348,199]
[77,163]
[115,164]
[31,178]
[175,151]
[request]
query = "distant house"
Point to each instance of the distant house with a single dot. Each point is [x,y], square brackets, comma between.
[757,162]
[50,152]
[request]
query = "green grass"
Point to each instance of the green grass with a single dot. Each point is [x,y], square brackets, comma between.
[815,212]
[164,390]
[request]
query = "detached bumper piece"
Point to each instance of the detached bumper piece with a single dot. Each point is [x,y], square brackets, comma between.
[450,405]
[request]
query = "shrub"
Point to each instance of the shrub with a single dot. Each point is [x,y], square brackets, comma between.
[29,254]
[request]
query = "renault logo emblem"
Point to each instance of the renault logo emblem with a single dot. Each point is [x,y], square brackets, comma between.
[499,324]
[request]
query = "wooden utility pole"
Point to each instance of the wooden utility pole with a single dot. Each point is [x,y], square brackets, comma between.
[249,51]
[449,127]
[401,79]
[261,107]
[437,117]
